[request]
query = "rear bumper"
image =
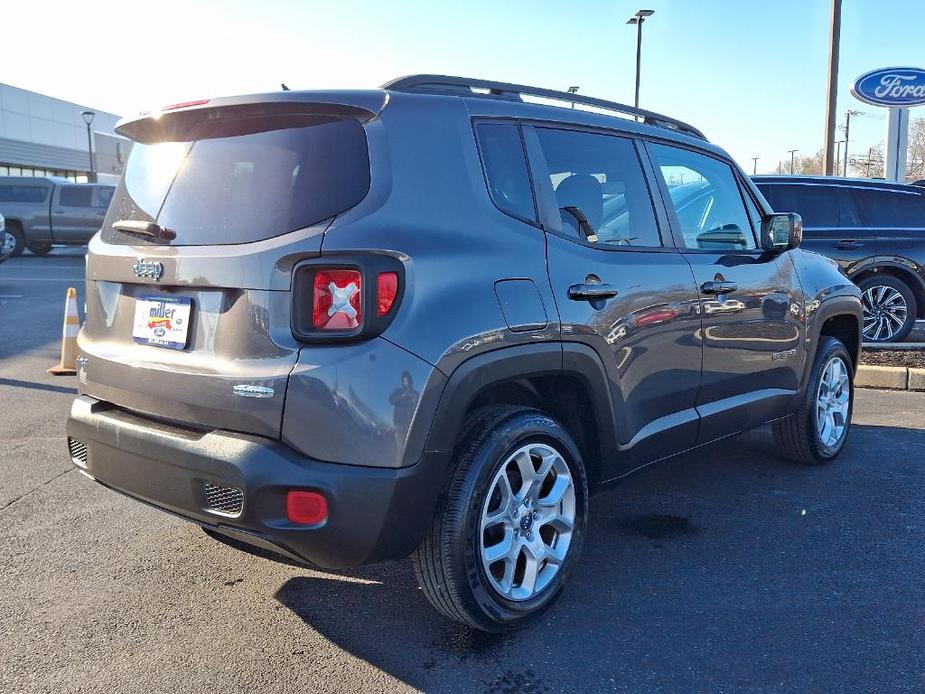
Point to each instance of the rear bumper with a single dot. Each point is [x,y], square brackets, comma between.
[374,514]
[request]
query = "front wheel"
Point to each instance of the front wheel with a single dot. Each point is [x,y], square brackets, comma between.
[509,528]
[816,433]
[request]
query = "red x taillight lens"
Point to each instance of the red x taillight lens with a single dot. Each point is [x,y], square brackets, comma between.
[337,300]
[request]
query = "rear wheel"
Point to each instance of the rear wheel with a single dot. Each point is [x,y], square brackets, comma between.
[19,239]
[507,533]
[889,308]
[816,433]
[7,244]
[39,247]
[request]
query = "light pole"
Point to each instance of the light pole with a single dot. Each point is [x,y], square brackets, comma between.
[573,90]
[754,165]
[791,159]
[88,119]
[838,144]
[829,163]
[638,19]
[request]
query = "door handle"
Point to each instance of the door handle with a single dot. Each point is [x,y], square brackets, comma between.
[848,245]
[718,287]
[588,292]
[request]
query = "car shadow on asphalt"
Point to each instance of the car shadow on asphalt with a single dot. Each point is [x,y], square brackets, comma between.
[719,566]
[33,385]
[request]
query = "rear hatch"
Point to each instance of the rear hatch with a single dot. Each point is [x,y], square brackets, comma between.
[189,281]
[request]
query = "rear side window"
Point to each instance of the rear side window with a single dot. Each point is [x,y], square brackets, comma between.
[506,169]
[75,196]
[105,197]
[23,193]
[601,176]
[886,208]
[243,180]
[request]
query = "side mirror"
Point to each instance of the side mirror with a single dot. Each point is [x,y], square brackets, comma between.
[781,232]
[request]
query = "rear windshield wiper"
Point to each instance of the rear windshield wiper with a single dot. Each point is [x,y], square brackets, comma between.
[148,230]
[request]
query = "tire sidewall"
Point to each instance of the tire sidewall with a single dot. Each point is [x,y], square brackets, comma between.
[513,433]
[908,297]
[829,349]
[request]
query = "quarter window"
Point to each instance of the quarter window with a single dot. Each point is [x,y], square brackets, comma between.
[706,199]
[884,208]
[600,177]
[506,169]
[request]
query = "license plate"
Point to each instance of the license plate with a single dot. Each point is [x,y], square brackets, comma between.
[162,321]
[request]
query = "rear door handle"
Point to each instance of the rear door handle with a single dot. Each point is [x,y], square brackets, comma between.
[587,292]
[848,245]
[718,287]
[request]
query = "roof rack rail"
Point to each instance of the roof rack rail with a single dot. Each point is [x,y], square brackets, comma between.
[464,86]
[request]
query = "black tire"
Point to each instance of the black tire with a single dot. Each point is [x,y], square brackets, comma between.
[20,238]
[447,562]
[39,247]
[882,280]
[798,436]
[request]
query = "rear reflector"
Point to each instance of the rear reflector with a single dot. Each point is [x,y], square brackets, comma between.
[306,508]
[387,290]
[337,300]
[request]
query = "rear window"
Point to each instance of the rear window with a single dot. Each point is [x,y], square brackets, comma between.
[23,193]
[243,180]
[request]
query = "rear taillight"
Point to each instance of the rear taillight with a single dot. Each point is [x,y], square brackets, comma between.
[386,291]
[337,301]
[346,298]
[306,508]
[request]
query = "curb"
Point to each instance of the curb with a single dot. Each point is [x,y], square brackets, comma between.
[890,377]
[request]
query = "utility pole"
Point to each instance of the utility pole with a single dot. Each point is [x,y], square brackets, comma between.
[791,159]
[754,165]
[832,91]
[848,115]
[638,19]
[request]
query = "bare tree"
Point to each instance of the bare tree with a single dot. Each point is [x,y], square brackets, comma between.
[811,165]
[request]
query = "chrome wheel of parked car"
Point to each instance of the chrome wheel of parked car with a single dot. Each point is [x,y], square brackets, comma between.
[832,402]
[885,312]
[7,243]
[527,521]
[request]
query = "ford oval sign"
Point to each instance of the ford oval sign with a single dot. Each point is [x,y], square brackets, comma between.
[894,87]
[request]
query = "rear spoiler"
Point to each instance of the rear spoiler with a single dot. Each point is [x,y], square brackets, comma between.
[171,122]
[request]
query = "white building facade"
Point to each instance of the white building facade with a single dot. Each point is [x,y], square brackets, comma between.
[44,136]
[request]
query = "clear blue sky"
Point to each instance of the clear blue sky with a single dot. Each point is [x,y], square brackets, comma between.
[750,74]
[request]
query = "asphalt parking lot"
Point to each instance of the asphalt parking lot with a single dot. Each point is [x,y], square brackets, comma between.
[728,570]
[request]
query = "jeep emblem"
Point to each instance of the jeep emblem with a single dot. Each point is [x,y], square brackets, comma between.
[148,268]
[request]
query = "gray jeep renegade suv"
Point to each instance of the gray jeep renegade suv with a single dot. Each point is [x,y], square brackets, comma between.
[430,319]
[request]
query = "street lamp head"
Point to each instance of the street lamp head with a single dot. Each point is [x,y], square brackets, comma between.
[573,90]
[88,116]
[645,13]
[632,20]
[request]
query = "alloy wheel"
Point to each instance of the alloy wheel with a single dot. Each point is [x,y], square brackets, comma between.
[7,243]
[885,312]
[832,402]
[527,521]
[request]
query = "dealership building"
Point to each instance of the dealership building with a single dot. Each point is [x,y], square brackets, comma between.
[44,136]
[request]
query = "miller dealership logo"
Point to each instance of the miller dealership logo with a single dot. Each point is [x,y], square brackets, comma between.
[895,87]
[148,268]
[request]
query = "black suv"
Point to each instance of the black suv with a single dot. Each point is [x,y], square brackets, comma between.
[875,230]
[430,319]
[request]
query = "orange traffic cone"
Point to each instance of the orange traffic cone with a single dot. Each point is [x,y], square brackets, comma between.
[68,364]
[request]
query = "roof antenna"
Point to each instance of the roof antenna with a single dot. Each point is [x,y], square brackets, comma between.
[283,85]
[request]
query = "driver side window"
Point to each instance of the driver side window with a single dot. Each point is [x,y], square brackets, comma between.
[706,199]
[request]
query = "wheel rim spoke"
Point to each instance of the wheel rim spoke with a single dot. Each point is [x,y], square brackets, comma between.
[526,528]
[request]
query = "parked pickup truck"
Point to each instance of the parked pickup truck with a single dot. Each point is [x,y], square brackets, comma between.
[41,211]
